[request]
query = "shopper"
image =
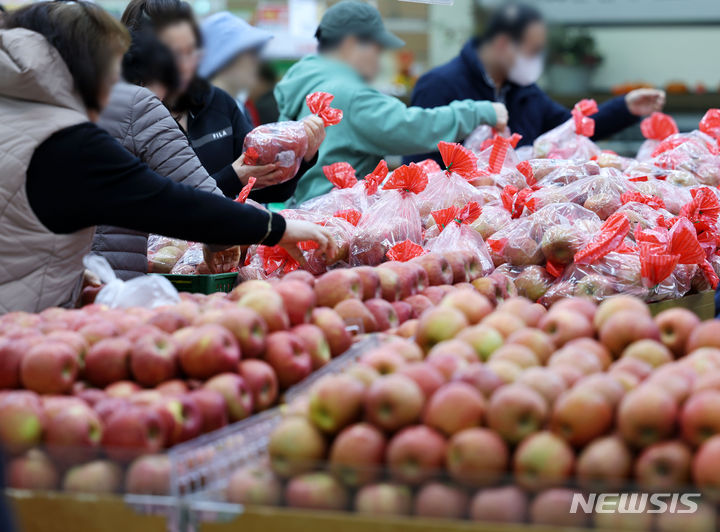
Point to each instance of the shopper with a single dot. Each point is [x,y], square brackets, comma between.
[61,174]
[138,120]
[231,55]
[351,37]
[503,65]
[210,117]
[262,104]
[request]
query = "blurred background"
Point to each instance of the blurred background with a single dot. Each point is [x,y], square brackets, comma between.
[599,48]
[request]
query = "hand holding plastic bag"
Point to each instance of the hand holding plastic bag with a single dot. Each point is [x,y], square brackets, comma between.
[148,291]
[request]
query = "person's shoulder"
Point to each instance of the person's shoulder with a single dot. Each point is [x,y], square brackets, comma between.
[220,99]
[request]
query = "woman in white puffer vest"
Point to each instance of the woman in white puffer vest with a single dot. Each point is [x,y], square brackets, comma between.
[61,175]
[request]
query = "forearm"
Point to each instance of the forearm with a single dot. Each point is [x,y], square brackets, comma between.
[613,116]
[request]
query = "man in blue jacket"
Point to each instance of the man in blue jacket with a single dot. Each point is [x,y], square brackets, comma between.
[503,66]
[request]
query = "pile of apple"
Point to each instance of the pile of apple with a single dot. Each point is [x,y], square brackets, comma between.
[100,383]
[501,414]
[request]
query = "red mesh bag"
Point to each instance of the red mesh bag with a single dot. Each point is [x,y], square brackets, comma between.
[710,123]
[245,191]
[498,163]
[393,218]
[349,193]
[319,104]
[405,251]
[609,238]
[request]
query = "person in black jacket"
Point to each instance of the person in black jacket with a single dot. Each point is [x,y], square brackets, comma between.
[215,126]
[503,66]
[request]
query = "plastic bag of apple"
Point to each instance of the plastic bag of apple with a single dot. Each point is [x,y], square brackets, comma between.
[504,414]
[97,388]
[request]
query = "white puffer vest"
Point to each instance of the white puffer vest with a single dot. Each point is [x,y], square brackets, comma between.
[38,268]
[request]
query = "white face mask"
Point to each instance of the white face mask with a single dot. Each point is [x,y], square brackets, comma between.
[526,70]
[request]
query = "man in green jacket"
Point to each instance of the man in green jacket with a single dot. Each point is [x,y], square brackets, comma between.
[351,38]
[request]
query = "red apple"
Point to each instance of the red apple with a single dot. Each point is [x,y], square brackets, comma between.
[356,455]
[578,304]
[515,411]
[702,519]
[383,312]
[536,340]
[168,321]
[260,378]
[625,327]
[552,507]
[407,329]
[253,485]
[21,421]
[704,334]
[565,325]
[408,280]
[335,402]
[270,306]
[333,326]
[542,460]
[73,433]
[287,355]
[403,311]
[246,325]
[438,500]
[593,346]
[664,466]
[383,359]
[544,381]
[620,303]
[407,349]
[299,299]
[32,471]
[184,415]
[484,339]
[650,351]
[705,472]
[73,339]
[676,325]
[605,464]
[335,286]
[427,377]
[700,417]
[517,354]
[49,367]
[316,491]
[393,401]
[416,454]
[609,386]
[212,406]
[646,415]
[436,266]
[419,304]
[208,350]
[446,362]
[454,407]
[12,350]
[580,415]
[97,477]
[153,359]
[507,504]
[149,475]
[384,499]
[439,324]
[247,287]
[315,343]
[531,313]
[301,275]
[474,305]
[370,281]
[97,329]
[132,431]
[295,447]
[504,323]
[235,391]
[355,314]
[484,379]
[477,457]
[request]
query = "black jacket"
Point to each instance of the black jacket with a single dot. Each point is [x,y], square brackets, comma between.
[216,131]
[531,111]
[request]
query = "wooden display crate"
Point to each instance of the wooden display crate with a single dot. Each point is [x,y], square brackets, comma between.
[702,304]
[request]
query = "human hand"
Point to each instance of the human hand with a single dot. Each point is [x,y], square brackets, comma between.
[300,231]
[643,102]
[315,130]
[222,261]
[266,174]
[501,113]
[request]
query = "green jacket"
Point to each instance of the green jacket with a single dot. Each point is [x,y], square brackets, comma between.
[374,125]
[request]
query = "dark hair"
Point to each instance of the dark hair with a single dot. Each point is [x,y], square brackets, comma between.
[328,44]
[511,20]
[149,61]
[85,35]
[140,15]
[267,73]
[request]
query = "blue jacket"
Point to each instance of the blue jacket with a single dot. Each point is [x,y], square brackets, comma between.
[531,111]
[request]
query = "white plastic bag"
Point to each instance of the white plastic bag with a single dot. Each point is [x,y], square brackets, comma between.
[148,291]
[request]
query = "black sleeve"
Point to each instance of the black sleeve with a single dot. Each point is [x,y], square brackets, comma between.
[226,179]
[81,177]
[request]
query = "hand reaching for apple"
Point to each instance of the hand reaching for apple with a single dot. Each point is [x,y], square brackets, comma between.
[315,130]
[222,261]
[300,231]
[644,102]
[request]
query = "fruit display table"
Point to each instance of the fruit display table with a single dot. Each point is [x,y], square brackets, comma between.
[702,304]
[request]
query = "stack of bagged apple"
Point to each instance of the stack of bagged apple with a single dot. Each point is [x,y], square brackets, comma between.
[503,414]
[565,219]
[98,387]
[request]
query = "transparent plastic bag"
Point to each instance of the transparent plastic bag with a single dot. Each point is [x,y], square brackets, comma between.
[497,164]
[493,218]
[285,143]
[192,262]
[477,140]
[393,218]
[570,139]
[148,291]
[450,187]
[164,252]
